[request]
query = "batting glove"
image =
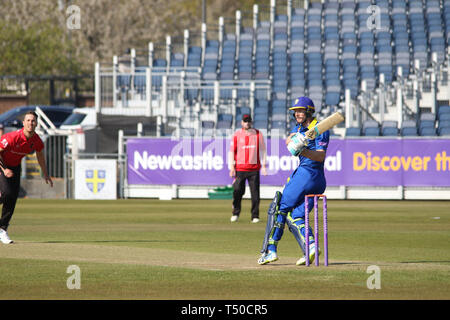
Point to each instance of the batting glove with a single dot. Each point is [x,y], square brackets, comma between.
[297,144]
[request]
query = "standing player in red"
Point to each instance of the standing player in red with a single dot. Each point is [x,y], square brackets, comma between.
[246,148]
[13,147]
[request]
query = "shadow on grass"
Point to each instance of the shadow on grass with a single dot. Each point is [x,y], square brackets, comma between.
[441,261]
[312,265]
[348,263]
[115,241]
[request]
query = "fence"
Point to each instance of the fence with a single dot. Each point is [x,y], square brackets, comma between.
[150,88]
[55,148]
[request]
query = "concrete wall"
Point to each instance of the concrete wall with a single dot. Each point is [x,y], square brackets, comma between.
[267,192]
[38,189]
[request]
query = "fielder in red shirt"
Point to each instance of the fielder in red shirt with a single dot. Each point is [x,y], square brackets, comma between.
[246,148]
[13,147]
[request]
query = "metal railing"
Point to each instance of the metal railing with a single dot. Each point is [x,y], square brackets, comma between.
[55,148]
[403,99]
[55,142]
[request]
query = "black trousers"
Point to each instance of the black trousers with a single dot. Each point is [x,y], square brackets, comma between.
[9,188]
[239,189]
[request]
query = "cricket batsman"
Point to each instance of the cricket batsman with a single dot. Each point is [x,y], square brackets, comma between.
[308,178]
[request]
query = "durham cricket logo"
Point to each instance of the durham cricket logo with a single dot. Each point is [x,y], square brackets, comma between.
[95,180]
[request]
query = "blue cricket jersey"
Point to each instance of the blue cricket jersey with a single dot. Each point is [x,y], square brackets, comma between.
[319,143]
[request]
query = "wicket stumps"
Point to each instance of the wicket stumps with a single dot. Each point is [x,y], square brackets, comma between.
[316,228]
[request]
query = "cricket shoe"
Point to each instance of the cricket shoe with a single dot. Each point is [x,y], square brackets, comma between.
[234,218]
[312,255]
[4,238]
[268,257]
[255,220]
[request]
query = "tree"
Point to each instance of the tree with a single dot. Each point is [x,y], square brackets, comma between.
[38,49]
[38,40]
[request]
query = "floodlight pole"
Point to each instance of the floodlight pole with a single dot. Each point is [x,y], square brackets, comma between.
[204,11]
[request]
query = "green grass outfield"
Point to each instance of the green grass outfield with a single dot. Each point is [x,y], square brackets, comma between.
[188,249]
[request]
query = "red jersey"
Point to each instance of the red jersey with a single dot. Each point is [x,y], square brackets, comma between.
[16,146]
[247,145]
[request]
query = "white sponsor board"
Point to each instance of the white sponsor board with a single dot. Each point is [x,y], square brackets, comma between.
[96,179]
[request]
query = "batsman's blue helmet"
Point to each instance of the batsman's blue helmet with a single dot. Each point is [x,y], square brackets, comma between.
[303,103]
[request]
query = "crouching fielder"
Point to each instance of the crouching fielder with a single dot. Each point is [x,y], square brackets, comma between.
[309,178]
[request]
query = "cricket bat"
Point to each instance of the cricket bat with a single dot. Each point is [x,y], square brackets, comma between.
[324,125]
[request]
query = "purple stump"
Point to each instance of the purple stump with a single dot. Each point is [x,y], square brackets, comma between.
[316,228]
[306,232]
[325,231]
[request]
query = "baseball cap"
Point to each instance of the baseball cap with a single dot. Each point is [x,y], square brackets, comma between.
[303,103]
[246,117]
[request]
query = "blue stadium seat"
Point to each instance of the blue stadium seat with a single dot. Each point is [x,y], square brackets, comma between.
[279,109]
[261,116]
[261,93]
[243,94]
[332,98]
[444,116]
[372,131]
[370,124]
[243,110]
[279,104]
[140,79]
[159,63]
[226,94]
[427,131]
[426,124]
[389,123]
[208,124]
[389,131]
[261,124]
[443,110]
[192,94]
[225,117]
[409,124]
[123,81]
[223,125]
[261,103]
[444,124]
[278,116]
[194,57]
[408,131]
[352,132]
[444,131]
[427,116]
[177,63]
[207,93]
[278,125]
